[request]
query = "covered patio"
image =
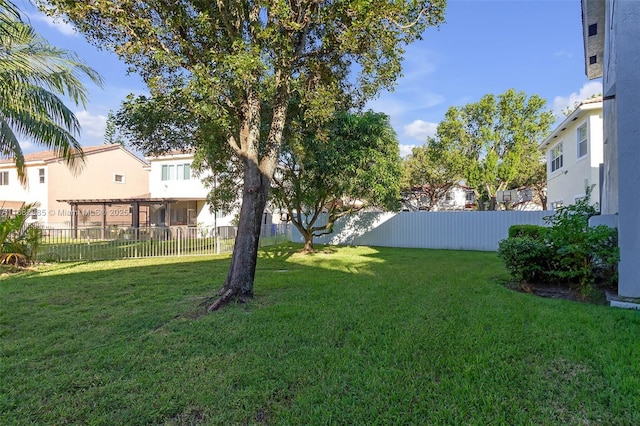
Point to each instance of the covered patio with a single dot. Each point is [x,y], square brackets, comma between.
[105,211]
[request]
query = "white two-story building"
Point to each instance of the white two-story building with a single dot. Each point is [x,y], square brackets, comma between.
[574,152]
[171,177]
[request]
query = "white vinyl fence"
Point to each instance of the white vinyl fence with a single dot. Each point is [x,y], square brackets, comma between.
[437,230]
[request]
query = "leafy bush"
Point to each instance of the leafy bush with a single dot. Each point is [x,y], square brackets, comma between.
[535,232]
[19,241]
[568,251]
[582,252]
[525,258]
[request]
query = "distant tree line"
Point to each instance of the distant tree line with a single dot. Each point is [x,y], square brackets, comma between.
[490,145]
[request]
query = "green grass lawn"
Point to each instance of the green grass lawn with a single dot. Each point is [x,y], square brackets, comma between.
[344,336]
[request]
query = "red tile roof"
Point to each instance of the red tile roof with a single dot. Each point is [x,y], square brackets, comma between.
[48,156]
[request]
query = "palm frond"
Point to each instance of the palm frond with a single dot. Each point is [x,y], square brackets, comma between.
[8,13]
[10,148]
[33,74]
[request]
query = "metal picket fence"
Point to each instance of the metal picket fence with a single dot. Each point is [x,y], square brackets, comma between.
[127,242]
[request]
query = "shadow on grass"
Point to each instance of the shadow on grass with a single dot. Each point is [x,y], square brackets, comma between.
[356,336]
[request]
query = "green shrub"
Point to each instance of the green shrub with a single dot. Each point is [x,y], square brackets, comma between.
[526,259]
[583,253]
[534,232]
[568,251]
[19,241]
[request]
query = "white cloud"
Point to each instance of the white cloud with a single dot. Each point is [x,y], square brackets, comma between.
[55,23]
[405,150]
[589,89]
[418,64]
[92,127]
[420,130]
[27,146]
[403,101]
[563,54]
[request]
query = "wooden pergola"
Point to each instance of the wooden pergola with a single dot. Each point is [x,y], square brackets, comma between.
[135,204]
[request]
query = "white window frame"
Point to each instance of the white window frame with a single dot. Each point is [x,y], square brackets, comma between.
[584,141]
[556,162]
[186,174]
[4,178]
[177,171]
[41,175]
[115,178]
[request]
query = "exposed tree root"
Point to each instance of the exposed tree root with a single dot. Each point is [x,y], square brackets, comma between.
[223,299]
[227,296]
[306,250]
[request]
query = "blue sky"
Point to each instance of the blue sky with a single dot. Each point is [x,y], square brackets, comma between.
[485,46]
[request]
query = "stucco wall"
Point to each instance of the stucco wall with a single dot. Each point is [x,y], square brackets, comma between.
[96,181]
[34,191]
[610,183]
[568,183]
[623,82]
[175,188]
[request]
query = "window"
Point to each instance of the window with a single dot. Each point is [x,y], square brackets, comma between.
[556,157]
[593,29]
[41,175]
[470,197]
[183,171]
[583,143]
[168,172]
[4,178]
[593,59]
[118,178]
[176,171]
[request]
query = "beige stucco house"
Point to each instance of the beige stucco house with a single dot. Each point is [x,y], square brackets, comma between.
[109,172]
[574,152]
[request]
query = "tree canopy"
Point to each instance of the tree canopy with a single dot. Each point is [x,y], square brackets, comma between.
[354,165]
[430,173]
[238,64]
[496,140]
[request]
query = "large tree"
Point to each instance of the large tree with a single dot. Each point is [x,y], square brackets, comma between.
[535,178]
[33,74]
[430,173]
[353,165]
[497,140]
[232,56]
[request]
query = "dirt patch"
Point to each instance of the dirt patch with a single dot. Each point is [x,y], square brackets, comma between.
[597,295]
[190,417]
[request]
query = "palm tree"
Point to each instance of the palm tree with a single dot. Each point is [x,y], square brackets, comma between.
[33,74]
[8,10]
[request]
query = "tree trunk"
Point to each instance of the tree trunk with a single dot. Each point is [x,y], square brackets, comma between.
[257,181]
[308,242]
[493,203]
[239,282]
[307,234]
